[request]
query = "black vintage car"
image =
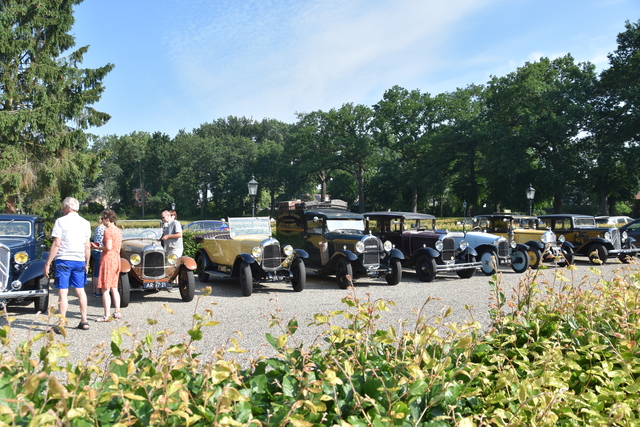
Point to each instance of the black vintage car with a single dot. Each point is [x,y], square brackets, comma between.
[22,259]
[425,249]
[589,240]
[336,243]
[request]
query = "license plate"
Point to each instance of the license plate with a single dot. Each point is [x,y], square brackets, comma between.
[155,285]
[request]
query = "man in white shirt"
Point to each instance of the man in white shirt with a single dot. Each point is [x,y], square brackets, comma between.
[71,250]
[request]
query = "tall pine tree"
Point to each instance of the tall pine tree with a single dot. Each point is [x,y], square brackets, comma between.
[45,105]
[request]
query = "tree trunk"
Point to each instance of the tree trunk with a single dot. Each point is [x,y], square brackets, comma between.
[603,201]
[414,200]
[557,203]
[361,204]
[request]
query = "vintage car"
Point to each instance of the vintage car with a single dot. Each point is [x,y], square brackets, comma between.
[612,221]
[22,259]
[337,244]
[523,229]
[202,226]
[145,267]
[424,249]
[493,250]
[596,243]
[632,229]
[247,250]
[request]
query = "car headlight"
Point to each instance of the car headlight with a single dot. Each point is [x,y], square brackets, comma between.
[21,258]
[135,259]
[625,236]
[463,244]
[546,237]
[287,250]
[561,238]
[360,246]
[172,259]
[388,246]
[439,245]
[607,235]
[513,244]
[256,252]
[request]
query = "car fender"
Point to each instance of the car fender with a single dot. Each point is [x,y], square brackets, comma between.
[125,267]
[566,245]
[470,251]
[330,266]
[522,247]
[535,244]
[486,247]
[34,270]
[246,258]
[188,262]
[430,251]
[301,253]
[396,253]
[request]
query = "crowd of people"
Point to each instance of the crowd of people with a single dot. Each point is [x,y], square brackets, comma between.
[72,252]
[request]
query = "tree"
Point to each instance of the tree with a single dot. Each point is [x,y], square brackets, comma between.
[45,105]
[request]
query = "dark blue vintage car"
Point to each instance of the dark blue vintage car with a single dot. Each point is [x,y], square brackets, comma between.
[22,259]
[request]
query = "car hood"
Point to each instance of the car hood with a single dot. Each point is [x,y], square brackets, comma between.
[15,243]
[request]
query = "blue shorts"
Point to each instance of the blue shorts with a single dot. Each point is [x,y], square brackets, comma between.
[70,274]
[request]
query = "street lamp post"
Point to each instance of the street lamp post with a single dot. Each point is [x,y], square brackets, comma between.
[173,206]
[531,193]
[464,209]
[253,190]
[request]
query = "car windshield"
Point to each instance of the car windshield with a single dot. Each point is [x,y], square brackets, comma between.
[584,222]
[525,223]
[149,233]
[15,228]
[257,225]
[345,224]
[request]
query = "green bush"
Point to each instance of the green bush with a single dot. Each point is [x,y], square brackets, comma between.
[557,353]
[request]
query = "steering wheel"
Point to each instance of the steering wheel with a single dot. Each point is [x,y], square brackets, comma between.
[148,233]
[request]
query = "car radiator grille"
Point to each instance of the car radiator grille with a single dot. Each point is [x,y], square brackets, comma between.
[5,265]
[615,238]
[503,248]
[448,248]
[153,265]
[372,249]
[271,256]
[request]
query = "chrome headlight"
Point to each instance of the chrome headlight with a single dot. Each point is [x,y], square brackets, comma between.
[561,238]
[135,259]
[360,246]
[463,244]
[21,258]
[256,252]
[439,245]
[513,244]
[287,250]
[607,235]
[546,237]
[388,246]
[625,236]
[172,259]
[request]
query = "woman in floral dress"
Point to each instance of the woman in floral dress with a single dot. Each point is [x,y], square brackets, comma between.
[110,266]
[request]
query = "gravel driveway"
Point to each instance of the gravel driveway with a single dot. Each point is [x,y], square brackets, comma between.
[247,318]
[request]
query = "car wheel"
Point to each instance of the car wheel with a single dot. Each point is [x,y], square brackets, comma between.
[519,261]
[41,304]
[299,273]
[489,260]
[202,276]
[124,288]
[569,257]
[598,254]
[395,276]
[344,273]
[426,268]
[246,279]
[186,284]
[626,258]
[468,272]
[535,258]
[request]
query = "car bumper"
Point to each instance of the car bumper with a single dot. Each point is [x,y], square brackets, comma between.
[25,293]
[457,266]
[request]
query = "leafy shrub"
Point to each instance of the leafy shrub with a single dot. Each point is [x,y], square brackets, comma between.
[557,353]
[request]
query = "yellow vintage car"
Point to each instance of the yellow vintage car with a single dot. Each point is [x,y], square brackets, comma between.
[542,243]
[247,251]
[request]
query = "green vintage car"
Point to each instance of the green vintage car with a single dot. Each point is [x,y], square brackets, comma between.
[247,251]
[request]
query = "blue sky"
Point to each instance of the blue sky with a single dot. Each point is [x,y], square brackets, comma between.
[182,63]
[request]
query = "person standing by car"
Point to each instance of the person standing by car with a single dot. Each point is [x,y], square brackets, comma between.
[98,234]
[71,250]
[171,234]
[110,266]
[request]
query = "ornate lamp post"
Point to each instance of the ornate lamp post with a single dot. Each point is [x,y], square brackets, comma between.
[173,206]
[253,190]
[531,193]
[464,209]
